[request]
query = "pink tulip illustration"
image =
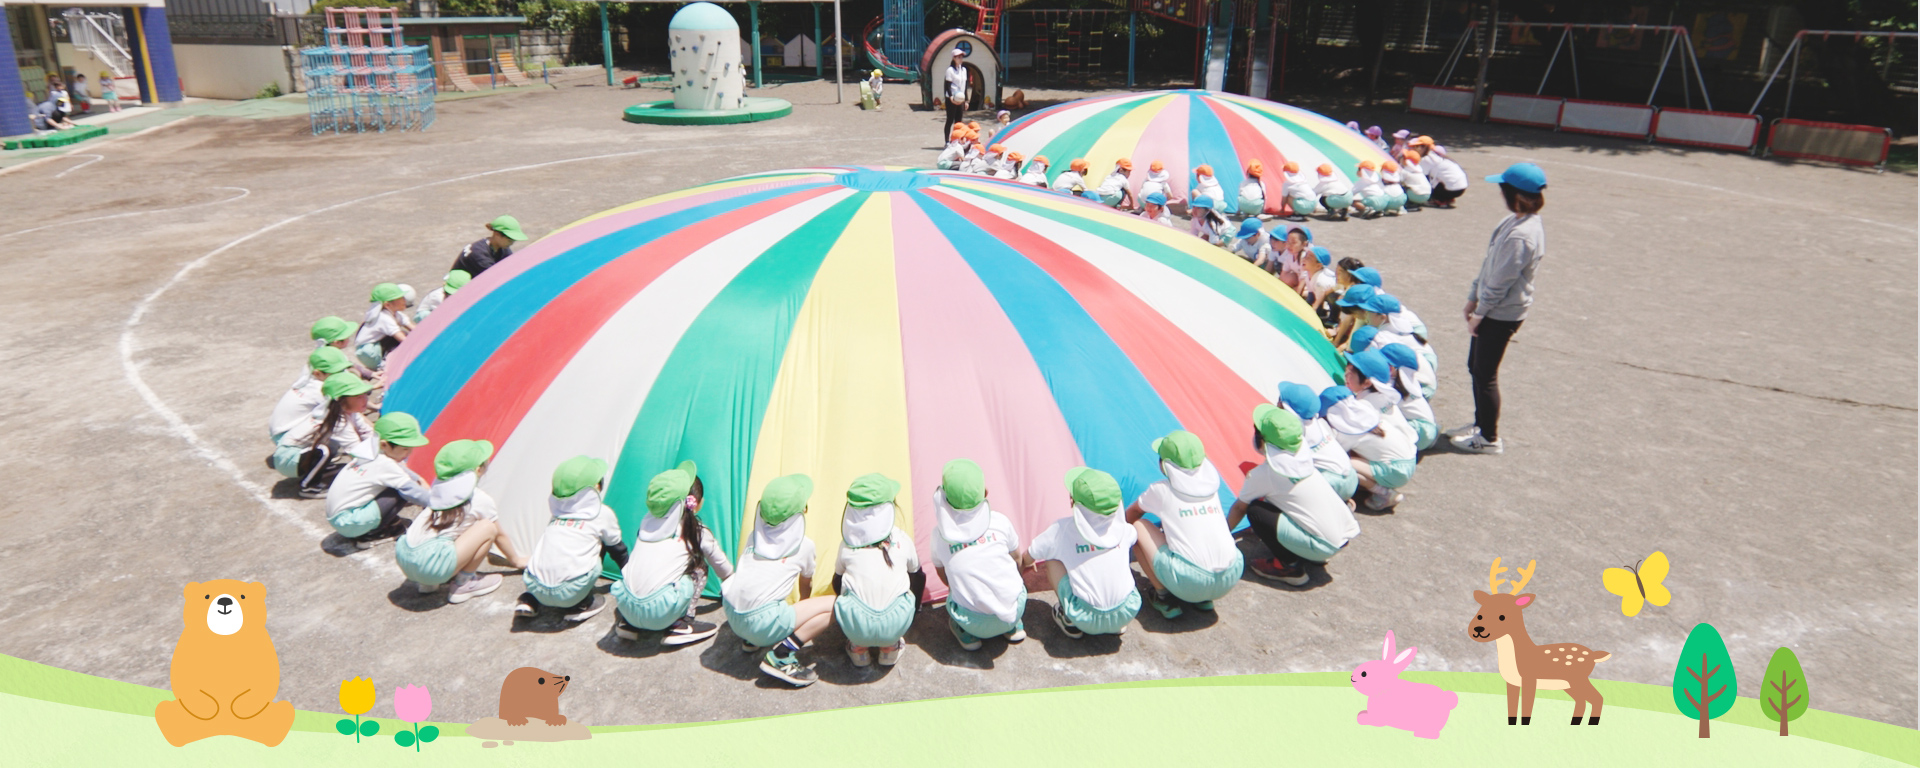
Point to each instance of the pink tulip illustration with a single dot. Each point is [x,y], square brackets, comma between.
[413,704]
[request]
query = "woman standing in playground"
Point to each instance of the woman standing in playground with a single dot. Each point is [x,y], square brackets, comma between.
[1498,301]
[956,88]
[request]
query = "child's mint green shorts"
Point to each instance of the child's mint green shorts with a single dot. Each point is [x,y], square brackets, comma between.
[762,626]
[1336,202]
[1393,474]
[370,355]
[1094,621]
[867,627]
[566,594]
[1303,206]
[1376,202]
[431,563]
[1112,199]
[354,522]
[658,609]
[1419,199]
[286,459]
[1251,207]
[1191,582]
[1396,202]
[983,624]
[1425,432]
[1343,484]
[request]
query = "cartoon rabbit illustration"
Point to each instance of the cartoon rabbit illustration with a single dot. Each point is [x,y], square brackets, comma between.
[1396,703]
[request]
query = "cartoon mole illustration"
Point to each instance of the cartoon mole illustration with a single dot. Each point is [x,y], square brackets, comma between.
[225,672]
[530,692]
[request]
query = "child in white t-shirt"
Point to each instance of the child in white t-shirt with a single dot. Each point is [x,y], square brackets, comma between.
[1189,555]
[1204,222]
[450,541]
[1396,194]
[877,575]
[1252,243]
[300,400]
[1319,281]
[1036,172]
[1317,437]
[1298,190]
[955,151]
[775,558]
[1369,194]
[1158,180]
[671,554]
[1413,404]
[365,499]
[977,554]
[976,160]
[1085,555]
[315,448]
[1007,166]
[1384,457]
[1253,194]
[1288,503]
[1335,192]
[1156,209]
[1414,179]
[1114,191]
[1074,181]
[454,281]
[384,327]
[1204,183]
[566,560]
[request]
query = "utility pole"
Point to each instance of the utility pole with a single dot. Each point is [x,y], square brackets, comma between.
[1486,55]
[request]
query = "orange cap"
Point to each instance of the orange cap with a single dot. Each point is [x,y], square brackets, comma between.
[1325,169]
[978,147]
[1254,169]
[1015,156]
[1156,166]
[1390,167]
[1042,159]
[1291,167]
[1204,170]
[1079,165]
[1368,165]
[1419,140]
[1412,158]
[998,149]
[1124,163]
[957,132]
[974,124]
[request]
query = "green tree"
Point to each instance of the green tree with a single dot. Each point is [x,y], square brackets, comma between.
[1783,693]
[1704,685]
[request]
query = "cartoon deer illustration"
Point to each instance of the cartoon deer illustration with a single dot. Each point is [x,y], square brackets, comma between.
[1528,667]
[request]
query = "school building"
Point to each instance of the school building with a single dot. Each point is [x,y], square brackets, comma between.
[126,40]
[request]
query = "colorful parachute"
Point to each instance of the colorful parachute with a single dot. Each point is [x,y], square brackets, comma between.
[839,321]
[1185,129]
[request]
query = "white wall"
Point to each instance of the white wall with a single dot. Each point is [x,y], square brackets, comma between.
[230,71]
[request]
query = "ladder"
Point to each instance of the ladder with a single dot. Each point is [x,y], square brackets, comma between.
[988,24]
[104,36]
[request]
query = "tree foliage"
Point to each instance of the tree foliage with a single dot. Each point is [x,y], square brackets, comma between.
[1704,685]
[1783,691]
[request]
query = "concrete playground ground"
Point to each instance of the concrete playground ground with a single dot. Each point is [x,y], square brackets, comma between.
[1720,365]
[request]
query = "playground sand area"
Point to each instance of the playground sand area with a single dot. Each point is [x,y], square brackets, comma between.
[1719,366]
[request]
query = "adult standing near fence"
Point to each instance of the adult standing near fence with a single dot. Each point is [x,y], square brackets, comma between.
[485,252]
[1498,302]
[956,90]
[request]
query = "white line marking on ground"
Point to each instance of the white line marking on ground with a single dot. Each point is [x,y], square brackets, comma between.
[243,193]
[206,451]
[1698,185]
[96,158]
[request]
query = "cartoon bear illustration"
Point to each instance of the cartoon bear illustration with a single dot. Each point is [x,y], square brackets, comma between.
[225,673]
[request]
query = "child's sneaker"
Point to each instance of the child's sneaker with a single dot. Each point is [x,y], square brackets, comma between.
[1384,498]
[526,605]
[890,655]
[1066,627]
[587,609]
[861,656]
[967,642]
[1204,605]
[623,629]
[474,586]
[1273,570]
[747,646]
[1163,601]
[1477,443]
[1018,634]
[687,631]
[788,668]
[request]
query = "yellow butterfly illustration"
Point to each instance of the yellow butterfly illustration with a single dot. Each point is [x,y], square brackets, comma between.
[1639,584]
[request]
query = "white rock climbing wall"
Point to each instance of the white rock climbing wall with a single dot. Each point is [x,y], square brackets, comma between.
[706,66]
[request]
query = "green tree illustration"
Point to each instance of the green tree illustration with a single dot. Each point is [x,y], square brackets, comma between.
[1783,692]
[1704,685]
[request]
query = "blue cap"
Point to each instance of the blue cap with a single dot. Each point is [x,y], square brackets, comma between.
[1368,275]
[1200,201]
[1525,177]
[1383,303]
[1248,228]
[1401,356]
[1331,395]
[1372,365]
[1324,256]
[1300,399]
[1357,294]
[1157,198]
[1362,338]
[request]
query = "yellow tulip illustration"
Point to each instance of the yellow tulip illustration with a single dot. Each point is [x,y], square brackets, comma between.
[356,697]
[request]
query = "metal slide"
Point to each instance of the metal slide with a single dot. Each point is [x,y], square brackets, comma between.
[1219,45]
[871,38]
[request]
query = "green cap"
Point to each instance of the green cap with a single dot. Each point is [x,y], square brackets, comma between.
[669,487]
[1279,427]
[461,456]
[344,384]
[577,473]
[871,489]
[1094,489]
[509,226]
[455,280]
[399,429]
[328,360]
[1182,448]
[963,483]
[386,292]
[330,329]
[785,497]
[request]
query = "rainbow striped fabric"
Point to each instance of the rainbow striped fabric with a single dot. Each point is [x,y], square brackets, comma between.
[839,321]
[1185,129]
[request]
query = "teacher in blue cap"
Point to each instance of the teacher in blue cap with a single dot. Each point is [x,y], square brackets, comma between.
[1498,301]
